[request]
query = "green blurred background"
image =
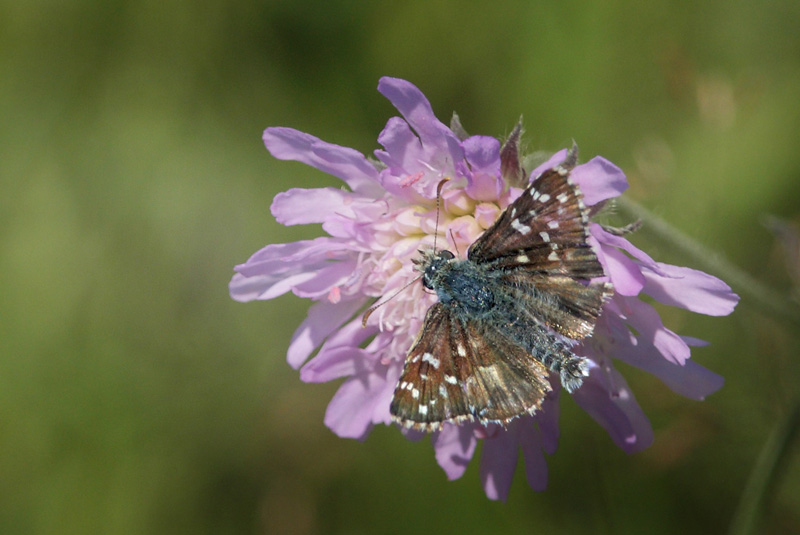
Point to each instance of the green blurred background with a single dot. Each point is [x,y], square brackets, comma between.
[137,397]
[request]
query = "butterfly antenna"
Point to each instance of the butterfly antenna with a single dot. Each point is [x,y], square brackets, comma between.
[374,307]
[455,245]
[438,202]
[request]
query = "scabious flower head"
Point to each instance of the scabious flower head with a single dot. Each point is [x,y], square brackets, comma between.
[375,228]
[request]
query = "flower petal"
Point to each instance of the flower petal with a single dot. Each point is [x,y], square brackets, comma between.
[343,162]
[454,447]
[547,418]
[551,162]
[263,287]
[416,109]
[599,180]
[606,238]
[340,355]
[626,275]
[483,154]
[498,463]
[530,438]
[690,379]
[362,401]
[323,318]
[690,289]
[607,398]
[332,274]
[299,206]
[645,319]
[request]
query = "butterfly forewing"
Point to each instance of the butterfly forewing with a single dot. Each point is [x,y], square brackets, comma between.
[461,371]
[544,230]
[431,388]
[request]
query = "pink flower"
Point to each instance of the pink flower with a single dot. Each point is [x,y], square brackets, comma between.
[375,228]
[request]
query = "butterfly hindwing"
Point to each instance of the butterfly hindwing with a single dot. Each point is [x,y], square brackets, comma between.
[567,306]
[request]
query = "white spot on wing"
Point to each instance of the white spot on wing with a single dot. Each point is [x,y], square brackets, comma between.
[544,198]
[519,227]
[451,379]
[430,359]
[545,236]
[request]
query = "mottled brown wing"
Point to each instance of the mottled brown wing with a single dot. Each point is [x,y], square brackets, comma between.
[545,230]
[567,306]
[540,245]
[464,370]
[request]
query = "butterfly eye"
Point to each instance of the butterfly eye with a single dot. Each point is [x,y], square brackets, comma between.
[446,255]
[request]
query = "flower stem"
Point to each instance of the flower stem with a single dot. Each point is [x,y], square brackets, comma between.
[764,475]
[770,301]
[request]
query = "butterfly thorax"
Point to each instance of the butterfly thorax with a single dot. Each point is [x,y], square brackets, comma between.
[459,284]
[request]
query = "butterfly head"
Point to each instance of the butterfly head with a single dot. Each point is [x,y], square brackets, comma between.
[432,264]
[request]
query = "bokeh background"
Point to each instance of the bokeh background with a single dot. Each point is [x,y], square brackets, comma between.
[137,397]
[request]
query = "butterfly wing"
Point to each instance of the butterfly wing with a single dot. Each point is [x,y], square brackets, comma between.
[544,230]
[540,248]
[465,370]
[567,306]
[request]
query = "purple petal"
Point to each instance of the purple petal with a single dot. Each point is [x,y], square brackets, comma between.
[299,252]
[551,162]
[547,419]
[498,462]
[645,319]
[690,379]
[333,274]
[362,401]
[625,274]
[606,238]
[530,438]
[690,289]
[340,355]
[343,162]
[265,287]
[483,154]
[695,342]
[277,268]
[454,447]
[304,206]
[611,403]
[403,157]
[416,109]
[323,318]
[599,180]
[334,364]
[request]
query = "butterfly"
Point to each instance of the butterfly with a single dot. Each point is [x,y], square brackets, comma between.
[507,315]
